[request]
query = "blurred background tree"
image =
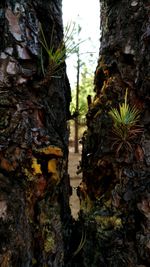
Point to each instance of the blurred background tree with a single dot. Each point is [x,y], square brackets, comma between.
[85,88]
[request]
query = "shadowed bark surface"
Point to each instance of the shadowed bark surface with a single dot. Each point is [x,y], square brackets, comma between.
[115,190]
[34,184]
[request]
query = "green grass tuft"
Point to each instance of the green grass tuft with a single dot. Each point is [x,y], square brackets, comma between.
[125,127]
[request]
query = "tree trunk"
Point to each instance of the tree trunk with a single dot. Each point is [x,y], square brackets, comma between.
[115,190]
[34,184]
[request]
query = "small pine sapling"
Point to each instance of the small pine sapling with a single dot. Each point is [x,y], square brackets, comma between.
[125,125]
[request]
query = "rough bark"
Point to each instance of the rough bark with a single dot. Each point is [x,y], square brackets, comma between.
[34,184]
[115,191]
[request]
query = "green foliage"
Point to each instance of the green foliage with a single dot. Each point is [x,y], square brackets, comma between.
[125,115]
[125,126]
[58,55]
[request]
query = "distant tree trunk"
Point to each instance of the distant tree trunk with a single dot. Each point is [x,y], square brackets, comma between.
[115,191]
[34,185]
[76,121]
